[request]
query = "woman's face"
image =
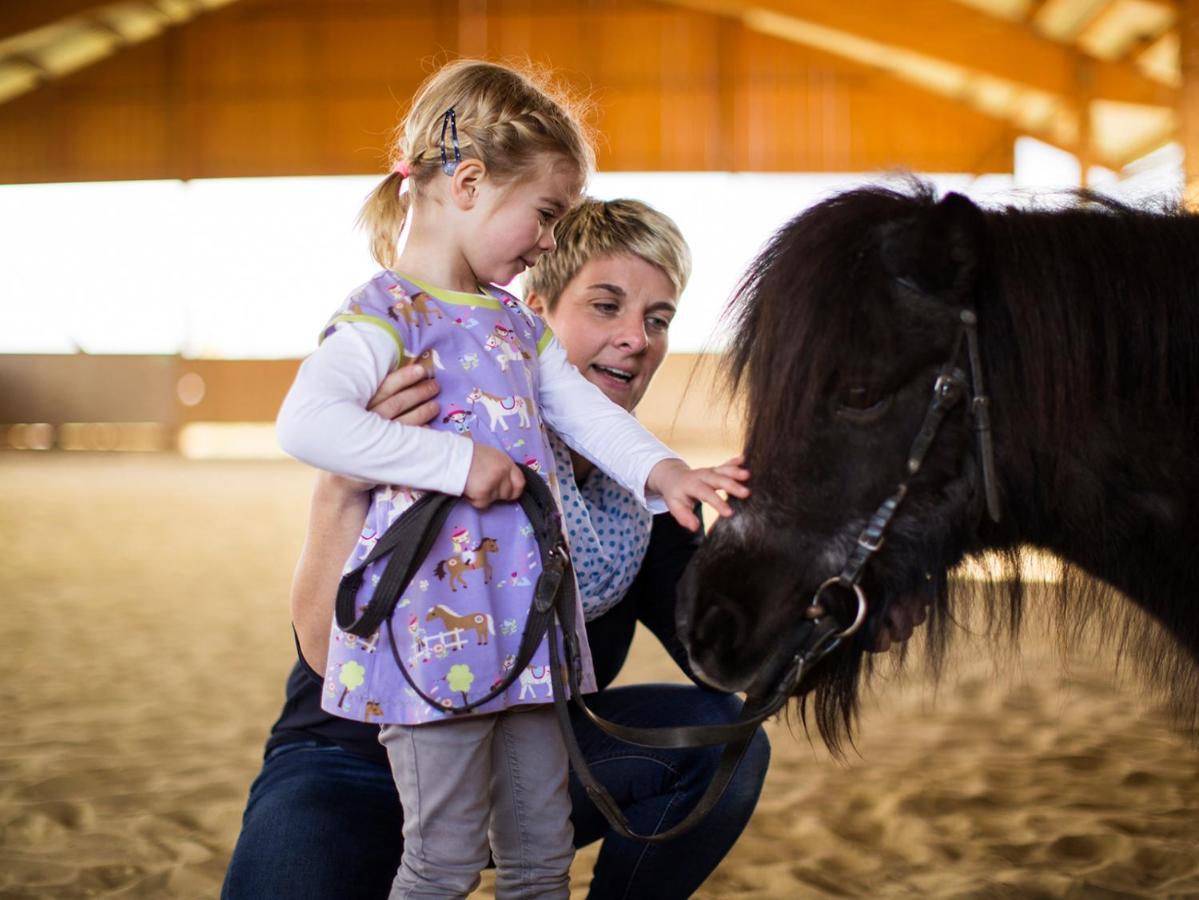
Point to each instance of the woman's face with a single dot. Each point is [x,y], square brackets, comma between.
[613,318]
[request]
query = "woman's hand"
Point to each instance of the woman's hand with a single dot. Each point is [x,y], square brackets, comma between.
[904,614]
[407,395]
[680,486]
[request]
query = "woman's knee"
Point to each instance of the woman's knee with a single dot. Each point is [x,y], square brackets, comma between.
[751,772]
[744,785]
[309,809]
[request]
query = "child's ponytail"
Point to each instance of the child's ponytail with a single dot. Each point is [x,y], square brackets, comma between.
[383,216]
[500,116]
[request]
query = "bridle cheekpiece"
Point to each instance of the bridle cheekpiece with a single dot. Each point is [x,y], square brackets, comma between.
[952,385]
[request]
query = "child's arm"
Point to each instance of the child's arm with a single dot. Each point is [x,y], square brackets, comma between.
[680,486]
[324,420]
[595,427]
[610,437]
[325,423]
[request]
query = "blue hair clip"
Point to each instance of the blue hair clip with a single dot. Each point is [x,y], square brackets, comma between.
[452,121]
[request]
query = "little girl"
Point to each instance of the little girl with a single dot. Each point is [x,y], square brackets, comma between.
[491,162]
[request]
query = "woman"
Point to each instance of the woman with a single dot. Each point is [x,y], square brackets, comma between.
[323,819]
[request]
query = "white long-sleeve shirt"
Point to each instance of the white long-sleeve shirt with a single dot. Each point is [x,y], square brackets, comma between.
[324,421]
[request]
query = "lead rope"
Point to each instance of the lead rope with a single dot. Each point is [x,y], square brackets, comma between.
[409,540]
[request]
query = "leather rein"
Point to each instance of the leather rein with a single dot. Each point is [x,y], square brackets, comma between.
[410,538]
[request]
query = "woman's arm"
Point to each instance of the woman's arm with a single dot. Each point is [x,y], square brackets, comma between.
[336,514]
[335,518]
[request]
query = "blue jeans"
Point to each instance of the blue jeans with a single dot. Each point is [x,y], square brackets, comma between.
[323,823]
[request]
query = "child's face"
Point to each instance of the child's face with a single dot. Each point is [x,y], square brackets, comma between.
[514,222]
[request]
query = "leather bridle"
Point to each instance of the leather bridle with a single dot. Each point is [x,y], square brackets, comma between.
[952,385]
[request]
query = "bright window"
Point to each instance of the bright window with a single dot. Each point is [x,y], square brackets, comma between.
[251,268]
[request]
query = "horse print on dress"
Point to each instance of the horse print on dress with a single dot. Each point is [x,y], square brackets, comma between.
[1088,334]
[506,355]
[505,341]
[461,562]
[480,623]
[499,408]
[430,360]
[414,309]
[533,676]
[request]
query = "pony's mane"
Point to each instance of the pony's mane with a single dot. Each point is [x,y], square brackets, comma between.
[1083,305]
[1081,611]
[1094,304]
[1088,303]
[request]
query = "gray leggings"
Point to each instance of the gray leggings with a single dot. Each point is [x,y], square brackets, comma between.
[497,781]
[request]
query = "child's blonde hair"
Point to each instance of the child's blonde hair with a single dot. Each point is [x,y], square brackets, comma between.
[504,118]
[597,228]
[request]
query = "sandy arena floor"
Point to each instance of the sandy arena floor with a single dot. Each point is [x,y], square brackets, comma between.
[146,640]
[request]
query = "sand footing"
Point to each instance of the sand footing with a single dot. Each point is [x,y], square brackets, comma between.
[146,642]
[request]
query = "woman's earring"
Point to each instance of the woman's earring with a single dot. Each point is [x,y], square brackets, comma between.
[452,121]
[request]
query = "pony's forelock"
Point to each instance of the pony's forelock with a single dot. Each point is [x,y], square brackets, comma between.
[791,316]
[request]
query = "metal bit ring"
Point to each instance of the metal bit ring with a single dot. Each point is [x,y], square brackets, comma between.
[859,618]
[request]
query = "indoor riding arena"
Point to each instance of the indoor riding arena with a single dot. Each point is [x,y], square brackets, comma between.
[179,183]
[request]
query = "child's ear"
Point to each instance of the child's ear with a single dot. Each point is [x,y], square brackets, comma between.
[467,178]
[534,302]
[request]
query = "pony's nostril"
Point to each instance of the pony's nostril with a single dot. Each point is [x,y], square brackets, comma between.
[707,629]
[721,627]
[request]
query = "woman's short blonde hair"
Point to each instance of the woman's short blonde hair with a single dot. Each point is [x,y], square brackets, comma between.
[505,118]
[596,228]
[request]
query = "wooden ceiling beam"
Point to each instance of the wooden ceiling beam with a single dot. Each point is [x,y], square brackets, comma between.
[1144,148]
[36,57]
[950,32]
[1033,9]
[1086,17]
[1139,45]
[1082,69]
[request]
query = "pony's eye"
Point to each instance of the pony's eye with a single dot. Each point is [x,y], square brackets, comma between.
[862,404]
[858,398]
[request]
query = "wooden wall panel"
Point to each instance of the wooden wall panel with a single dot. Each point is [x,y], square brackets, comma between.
[289,87]
[84,388]
[684,404]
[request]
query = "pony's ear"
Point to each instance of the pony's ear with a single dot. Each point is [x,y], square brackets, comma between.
[936,250]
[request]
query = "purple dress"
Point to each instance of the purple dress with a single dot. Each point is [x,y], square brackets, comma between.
[458,624]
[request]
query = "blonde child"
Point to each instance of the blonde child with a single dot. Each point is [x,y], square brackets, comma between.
[490,161]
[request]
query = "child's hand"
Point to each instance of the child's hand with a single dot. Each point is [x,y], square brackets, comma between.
[680,486]
[493,476]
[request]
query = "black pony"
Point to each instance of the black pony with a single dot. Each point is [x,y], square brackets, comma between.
[1088,327]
